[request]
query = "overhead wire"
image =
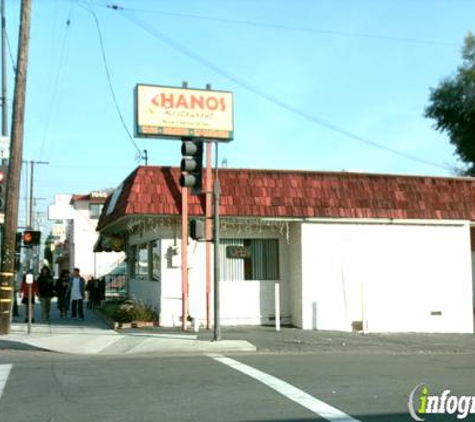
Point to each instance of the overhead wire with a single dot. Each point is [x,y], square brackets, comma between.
[10,52]
[54,91]
[85,5]
[280,26]
[272,98]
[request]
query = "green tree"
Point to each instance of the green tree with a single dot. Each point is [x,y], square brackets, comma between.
[452,106]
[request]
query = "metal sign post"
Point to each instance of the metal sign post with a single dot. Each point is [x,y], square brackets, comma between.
[29,281]
[217,321]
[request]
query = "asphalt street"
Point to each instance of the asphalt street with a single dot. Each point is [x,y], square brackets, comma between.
[44,386]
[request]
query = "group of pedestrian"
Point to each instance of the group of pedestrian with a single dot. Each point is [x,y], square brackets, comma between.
[94,289]
[69,289]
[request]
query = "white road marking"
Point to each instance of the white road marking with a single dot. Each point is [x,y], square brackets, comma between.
[4,373]
[319,407]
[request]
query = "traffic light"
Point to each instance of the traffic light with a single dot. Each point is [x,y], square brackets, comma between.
[191,165]
[31,238]
[197,229]
[3,187]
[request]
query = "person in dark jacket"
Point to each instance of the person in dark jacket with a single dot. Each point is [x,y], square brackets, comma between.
[61,293]
[77,292]
[45,292]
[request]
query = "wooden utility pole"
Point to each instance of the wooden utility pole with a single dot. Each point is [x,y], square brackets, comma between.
[14,171]
[4,73]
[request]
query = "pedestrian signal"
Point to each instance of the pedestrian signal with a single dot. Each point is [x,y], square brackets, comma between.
[31,238]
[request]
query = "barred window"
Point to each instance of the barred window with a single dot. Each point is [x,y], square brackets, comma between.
[259,262]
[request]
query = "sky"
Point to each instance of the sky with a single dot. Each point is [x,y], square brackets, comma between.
[318,84]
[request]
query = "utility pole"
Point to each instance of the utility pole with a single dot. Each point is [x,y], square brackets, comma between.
[4,74]
[14,171]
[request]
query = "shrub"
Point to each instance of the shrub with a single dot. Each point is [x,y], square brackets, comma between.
[130,310]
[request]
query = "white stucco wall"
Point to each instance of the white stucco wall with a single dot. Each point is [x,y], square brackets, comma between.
[295,265]
[392,276]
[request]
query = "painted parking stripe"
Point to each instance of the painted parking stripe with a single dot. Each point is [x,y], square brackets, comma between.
[4,373]
[318,407]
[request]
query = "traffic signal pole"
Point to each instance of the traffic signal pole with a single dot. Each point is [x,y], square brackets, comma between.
[217,310]
[208,228]
[184,258]
[14,170]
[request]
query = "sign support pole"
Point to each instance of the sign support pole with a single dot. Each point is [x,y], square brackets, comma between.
[217,321]
[184,258]
[29,309]
[208,229]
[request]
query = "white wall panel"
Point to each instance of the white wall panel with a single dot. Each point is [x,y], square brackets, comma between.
[396,277]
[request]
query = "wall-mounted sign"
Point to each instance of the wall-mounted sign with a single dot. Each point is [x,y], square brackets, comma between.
[4,147]
[168,112]
[238,252]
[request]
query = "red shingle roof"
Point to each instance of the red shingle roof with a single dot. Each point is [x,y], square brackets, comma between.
[305,194]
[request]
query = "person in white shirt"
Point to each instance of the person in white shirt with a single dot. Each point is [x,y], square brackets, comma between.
[77,292]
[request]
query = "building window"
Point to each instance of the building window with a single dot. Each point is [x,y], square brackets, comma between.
[260,260]
[95,210]
[146,261]
[156,248]
[141,261]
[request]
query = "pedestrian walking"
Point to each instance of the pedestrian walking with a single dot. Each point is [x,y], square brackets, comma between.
[61,293]
[89,287]
[45,285]
[25,292]
[102,290]
[95,293]
[77,292]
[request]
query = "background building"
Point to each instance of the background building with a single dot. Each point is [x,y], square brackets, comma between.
[74,230]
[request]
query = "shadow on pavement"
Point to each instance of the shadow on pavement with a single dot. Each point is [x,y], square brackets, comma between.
[15,345]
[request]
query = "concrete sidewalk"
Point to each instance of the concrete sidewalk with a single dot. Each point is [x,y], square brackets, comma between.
[93,336]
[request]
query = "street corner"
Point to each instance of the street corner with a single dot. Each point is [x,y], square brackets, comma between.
[17,344]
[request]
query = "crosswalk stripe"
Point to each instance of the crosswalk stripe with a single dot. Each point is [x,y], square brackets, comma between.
[311,403]
[4,373]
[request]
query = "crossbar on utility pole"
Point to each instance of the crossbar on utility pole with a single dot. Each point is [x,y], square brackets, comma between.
[14,171]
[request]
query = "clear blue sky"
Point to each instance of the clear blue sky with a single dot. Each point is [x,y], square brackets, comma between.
[308,77]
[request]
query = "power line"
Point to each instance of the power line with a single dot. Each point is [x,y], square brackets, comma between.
[56,80]
[281,26]
[86,6]
[10,52]
[272,98]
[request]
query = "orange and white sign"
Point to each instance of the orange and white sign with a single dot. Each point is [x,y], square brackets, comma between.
[181,112]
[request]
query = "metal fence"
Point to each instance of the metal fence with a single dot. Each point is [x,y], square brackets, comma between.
[115,286]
